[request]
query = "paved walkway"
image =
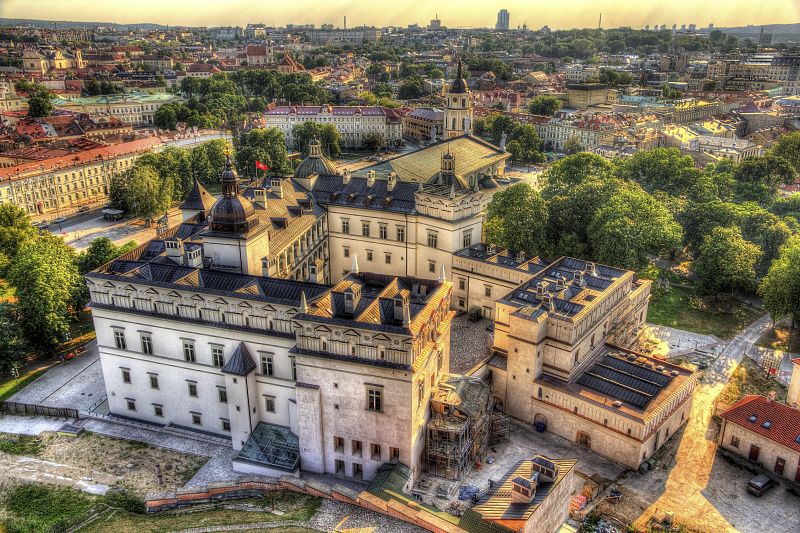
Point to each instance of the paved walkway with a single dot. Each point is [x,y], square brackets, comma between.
[704,491]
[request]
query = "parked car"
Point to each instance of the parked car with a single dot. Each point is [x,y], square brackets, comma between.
[83,209]
[759,485]
[59,220]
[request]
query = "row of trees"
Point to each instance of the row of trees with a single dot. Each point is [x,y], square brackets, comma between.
[522,140]
[728,217]
[47,277]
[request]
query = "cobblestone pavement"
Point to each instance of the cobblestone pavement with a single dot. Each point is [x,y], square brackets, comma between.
[469,343]
[332,513]
[27,425]
[673,342]
[703,490]
[77,384]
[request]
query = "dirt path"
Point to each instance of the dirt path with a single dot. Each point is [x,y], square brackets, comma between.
[686,490]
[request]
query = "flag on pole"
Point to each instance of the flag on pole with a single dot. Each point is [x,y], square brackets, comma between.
[261,166]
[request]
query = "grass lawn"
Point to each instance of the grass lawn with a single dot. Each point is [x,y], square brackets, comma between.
[680,308]
[748,378]
[782,337]
[298,507]
[35,507]
[11,387]
[21,444]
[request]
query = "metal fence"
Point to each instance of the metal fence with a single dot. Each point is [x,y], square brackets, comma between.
[25,409]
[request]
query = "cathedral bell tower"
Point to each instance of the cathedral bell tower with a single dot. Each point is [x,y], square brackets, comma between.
[458,108]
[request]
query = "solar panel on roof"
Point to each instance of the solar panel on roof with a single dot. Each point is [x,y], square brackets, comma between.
[614,390]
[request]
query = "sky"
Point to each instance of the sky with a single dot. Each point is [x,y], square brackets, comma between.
[452,13]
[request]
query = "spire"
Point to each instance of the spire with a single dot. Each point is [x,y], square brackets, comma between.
[230,184]
[303,302]
[442,275]
[354,268]
[406,314]
[458,72]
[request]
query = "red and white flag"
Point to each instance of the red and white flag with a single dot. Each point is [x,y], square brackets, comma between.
[261,166]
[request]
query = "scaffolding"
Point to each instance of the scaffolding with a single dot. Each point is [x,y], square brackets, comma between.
[500,428]
[458,432]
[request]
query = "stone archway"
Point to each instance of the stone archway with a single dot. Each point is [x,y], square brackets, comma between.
[540,422]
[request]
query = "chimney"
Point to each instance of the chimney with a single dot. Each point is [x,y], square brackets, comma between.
[260,197]
[793,396]
[277,187]
[312,273]
[399,305]
[265,268]
[392,181]
[193,258]
[346,176]
[406,315]
[523,490]
[370,178]
[174,250]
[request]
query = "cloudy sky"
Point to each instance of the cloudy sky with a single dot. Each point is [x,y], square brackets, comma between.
[453,13]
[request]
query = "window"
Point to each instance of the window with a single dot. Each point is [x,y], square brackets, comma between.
[153,381]
[119,338]
[197,419]
[345,225]
[147,344]
[374,399]
[369,255]
[188,352]
[365,228]
[420,392]
[217,356]
[269,403]
[433,239]
[394,454]
[339,465]
[462,284]
[226,424]
[358,471]
[431,266]
[131,404]
[267,365]
[126,375]
[487,291]
[192,389]
[387,258]
[338,444]
[356,448]
[345,251]
[158,410]
[294,368]
[223,394]
[734,441]
[401,233]
[466,239]
[382,230]
[375,451]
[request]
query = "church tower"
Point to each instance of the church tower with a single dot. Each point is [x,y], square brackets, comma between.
[458,109]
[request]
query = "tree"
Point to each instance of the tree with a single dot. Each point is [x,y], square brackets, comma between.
[500,124]
[573,145]
[40,103]
[780,288]
[13,346]
[208,160]
[373,141]
[262,144]
[140,192]
[411,89]
[327,134]
[544,105]
[47,282]
[757,178]
[726,262]
[788,147]
[15,230]
[700,218]
[526,146]
[100,251]
[165,117]
[629,226]
[660,169]
[572,170]
[516,219]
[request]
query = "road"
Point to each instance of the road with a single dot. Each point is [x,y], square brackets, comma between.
[703,491]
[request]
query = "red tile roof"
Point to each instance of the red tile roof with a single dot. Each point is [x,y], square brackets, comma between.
[80,158]
[785,421]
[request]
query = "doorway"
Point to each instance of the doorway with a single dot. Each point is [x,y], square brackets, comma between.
[584,440]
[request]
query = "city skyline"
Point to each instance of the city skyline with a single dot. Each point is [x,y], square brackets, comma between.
[574,13]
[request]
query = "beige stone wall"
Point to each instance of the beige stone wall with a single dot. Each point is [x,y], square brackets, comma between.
[769,452]
[554,510]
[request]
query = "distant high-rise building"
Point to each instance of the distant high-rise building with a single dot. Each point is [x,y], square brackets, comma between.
[692,27]
[710,26]
[503,20]
[435,24]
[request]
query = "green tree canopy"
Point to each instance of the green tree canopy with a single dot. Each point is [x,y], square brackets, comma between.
[780,288]
[573,145]
[516,219]
[262,144]
[40,103]
[757,178]
[13,346]
[140,192]
[15,230]
[788,147]
[726,262]
[572,170]
[544,105]
[327,134]
[47,283]
[660,169]
[100,251]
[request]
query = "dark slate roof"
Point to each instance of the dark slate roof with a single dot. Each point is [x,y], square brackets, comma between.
[356,193]
[241,362]
[198,198]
